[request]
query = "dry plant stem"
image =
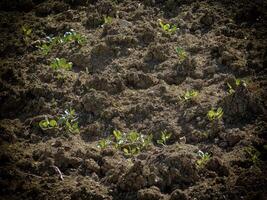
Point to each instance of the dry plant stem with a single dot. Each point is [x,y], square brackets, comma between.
[59,172]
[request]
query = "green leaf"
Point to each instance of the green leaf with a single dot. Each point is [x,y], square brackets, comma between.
[168,135]
[44,124]
[52,123]
[29,31]
[107,20]
[126,151]
[117,134]
[133,136]
[160,142]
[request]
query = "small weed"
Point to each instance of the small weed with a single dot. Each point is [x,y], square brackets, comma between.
[238,82]
[203,160]
[215,114]
[48,124]
[61,63]
[103,143]
[181,54]
[164,137]
[69,121]
[253,154]
[108,20]
[167,27]
[131,151]
[45,48]
[72,36]
[189,95]
[26,31]
[68,37]
[130,144]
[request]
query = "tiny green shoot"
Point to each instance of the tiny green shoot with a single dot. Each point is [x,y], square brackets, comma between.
[69,121]
[26,31]
[203,160]
[61,63]
[48,124]
[189,95]
[164,137]
[181,54]
[130,144]
[103,143]
[108,20]
[238,82]
[167,27]
[253,154]
[215,114]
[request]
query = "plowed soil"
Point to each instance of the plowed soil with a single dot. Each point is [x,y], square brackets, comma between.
[129,77]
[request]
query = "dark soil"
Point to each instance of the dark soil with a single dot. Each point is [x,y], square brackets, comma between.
[128,77]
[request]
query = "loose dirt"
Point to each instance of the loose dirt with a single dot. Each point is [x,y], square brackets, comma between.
[128,77]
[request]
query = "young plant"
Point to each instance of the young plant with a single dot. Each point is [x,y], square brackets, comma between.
[131,151]
[164,137]
[61,63]
[189,95]
[72,36]
[69,121]
[238,82]
[130,144]
[103,143]
[203,160]
[145,140]
[253,154]
[215,114]
[181,54]
[45,48]
[26,31]
[48,124]
[108,20]
[167,27]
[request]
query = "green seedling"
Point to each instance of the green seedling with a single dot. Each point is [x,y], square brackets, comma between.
[48,124]
[238,82]
[45,48]
[61,63]
[108,20]
[68,120]
[189,95]
[68,37]
[167,27]
[133,137]
[103,143]
[72,36]
[215,115]
[130,144]
[203,160]
[119,138]
[253,154]
[26,31]
[164,137]
[145,140]
[181,54]
[131,151]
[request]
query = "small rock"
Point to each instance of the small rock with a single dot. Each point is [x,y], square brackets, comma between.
[182,140]
[178,195]
[152,193]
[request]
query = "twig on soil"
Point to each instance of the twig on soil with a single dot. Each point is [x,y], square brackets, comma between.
[59,172]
